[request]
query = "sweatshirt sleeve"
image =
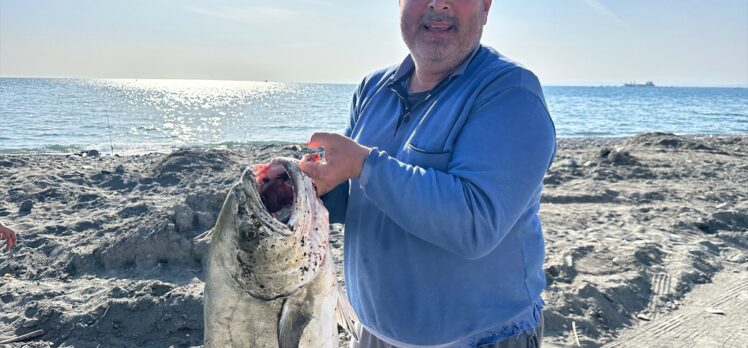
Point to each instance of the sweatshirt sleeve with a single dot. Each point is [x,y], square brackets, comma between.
[497,166]
[336,202]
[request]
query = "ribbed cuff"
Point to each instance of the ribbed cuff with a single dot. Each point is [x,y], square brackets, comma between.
[368,167]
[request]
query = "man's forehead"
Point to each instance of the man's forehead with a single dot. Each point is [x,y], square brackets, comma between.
[485,3]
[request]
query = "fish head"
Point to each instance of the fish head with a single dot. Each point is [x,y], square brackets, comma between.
[273,231]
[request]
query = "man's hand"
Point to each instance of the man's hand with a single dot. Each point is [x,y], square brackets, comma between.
[10,235]
[343,160]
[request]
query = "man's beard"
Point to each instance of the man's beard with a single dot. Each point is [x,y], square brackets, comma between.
[448,50]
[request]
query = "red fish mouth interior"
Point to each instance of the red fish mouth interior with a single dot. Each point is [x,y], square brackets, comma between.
[276,191]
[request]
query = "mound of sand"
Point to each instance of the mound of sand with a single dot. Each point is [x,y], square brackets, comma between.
[633,225]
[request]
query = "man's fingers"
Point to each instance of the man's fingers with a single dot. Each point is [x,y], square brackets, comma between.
[321,139]
[317,139]
[318,171]
[10,237]
[311,157]
[309,167]
[314,170]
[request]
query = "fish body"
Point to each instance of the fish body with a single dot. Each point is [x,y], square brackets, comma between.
[270,279]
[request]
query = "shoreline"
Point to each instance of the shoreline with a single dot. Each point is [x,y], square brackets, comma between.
[105,255]
[348,83]
[562,141]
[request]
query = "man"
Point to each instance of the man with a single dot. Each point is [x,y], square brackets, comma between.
[438,180]
[9,235]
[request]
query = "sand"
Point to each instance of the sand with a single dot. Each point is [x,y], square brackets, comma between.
[640,232]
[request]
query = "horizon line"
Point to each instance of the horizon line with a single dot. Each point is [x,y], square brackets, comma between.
[554,84]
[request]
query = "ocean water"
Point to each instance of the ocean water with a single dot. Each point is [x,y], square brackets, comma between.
[133,116]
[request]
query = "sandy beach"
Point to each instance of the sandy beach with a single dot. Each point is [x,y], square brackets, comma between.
[646,243]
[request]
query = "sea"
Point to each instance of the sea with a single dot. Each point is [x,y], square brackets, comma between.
[128,116]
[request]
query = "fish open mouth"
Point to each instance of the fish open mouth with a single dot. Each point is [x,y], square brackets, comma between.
[276,190]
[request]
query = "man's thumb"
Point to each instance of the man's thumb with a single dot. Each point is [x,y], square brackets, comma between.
[309,167]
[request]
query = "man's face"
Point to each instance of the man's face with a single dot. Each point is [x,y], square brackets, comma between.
[440,33]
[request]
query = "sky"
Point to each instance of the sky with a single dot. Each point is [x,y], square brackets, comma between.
[565,42]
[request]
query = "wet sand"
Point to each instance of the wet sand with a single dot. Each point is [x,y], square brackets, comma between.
[637,230]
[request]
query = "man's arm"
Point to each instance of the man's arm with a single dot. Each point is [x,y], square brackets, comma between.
[497,166]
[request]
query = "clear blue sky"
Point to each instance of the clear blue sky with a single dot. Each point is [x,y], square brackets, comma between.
[566,42]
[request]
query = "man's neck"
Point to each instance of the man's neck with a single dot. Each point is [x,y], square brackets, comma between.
[423,81]
[427,76]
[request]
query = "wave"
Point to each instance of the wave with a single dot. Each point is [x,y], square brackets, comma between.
[723,114]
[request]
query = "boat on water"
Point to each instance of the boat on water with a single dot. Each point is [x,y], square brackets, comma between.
[634,84]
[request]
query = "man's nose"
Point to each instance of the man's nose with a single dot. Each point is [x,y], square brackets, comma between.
[439,5]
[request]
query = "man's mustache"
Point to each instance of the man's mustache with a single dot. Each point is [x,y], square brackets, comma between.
[429,18]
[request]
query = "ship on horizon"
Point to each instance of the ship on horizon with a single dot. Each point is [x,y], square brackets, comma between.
[634,84]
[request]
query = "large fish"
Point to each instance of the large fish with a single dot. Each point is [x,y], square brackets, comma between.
[270,279]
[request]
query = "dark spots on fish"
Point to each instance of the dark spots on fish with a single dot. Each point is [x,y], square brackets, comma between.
[245,269]
[262,286]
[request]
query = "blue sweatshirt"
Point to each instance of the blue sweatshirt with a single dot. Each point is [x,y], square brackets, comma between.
[443,243]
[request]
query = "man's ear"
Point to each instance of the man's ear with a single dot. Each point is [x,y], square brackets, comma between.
[486,8]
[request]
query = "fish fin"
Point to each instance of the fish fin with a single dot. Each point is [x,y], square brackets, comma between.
[345,315]
[294,318]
